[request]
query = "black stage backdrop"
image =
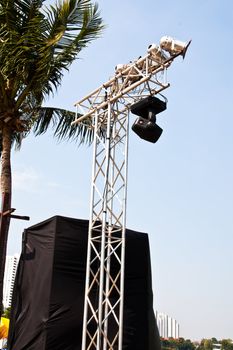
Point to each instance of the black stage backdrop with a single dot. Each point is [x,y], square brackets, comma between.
[48,298]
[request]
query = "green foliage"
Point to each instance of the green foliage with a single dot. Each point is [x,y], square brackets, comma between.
[186,344]
[208,344]
[37,44]
[179,344]
[227,344]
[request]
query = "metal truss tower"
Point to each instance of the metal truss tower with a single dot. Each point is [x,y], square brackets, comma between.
[106,111]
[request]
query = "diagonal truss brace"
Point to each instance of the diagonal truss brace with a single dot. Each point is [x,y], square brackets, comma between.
[103,308]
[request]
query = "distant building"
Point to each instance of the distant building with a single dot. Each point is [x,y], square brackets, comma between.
[168,326]
[9,278]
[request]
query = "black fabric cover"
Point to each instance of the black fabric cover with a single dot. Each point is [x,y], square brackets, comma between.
[47,308]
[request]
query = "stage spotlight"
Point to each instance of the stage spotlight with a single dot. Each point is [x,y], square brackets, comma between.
[145,126]
[174,46]
[120,67]
[157,54]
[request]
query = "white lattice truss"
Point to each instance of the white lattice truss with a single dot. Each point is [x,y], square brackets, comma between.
[106,110]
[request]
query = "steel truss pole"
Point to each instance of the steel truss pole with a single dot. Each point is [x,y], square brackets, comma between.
[103,307]
[106,111]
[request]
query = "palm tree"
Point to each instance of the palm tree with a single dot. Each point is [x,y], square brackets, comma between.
[37,44]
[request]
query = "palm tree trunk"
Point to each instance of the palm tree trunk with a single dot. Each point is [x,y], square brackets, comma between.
[6,203]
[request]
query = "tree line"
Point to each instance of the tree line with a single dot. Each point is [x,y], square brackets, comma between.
[204,344]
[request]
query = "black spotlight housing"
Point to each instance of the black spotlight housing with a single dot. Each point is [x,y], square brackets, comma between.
[145,126]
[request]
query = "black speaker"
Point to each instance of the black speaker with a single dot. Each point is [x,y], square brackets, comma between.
[147,130]
[48,298]
[145,126]
[150,103]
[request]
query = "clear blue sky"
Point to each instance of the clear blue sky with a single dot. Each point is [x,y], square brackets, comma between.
[180,189]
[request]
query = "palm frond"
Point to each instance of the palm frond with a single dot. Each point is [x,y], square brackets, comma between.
[73,24]
[48,45]
[59,120]
[36,46]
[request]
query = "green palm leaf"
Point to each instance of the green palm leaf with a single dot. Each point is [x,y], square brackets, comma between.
[38,45]
[59,120]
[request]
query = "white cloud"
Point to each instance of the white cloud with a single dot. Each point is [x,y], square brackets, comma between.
[26,179]
[53,184]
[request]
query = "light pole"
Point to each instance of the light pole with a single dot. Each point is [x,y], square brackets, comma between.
[106,110]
